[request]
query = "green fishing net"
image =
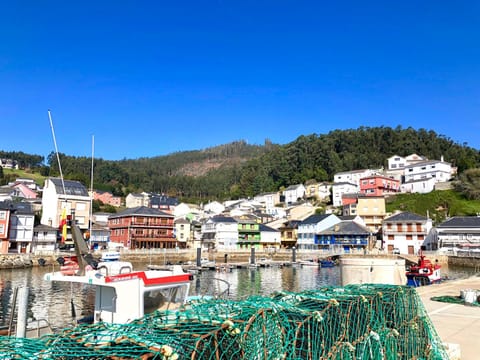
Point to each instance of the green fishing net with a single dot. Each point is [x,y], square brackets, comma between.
[352,322]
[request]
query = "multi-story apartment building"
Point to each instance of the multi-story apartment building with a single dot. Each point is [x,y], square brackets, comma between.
[69,195]
[370,208]
[142,227]
[407,232]
[248,232]
[379,185]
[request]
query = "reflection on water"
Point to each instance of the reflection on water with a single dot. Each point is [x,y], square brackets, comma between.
[53,301]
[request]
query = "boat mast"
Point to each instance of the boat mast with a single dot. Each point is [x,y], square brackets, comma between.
[58,156]
[91,195]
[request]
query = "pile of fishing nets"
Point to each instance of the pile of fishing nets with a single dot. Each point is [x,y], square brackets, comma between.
[352,322]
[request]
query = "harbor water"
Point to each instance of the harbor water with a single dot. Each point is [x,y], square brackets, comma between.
[61,303]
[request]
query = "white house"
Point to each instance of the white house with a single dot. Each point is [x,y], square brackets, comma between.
[220,232]
[44,239]
[459,231]
[68,194]
[313,225]
[421,186]
[293,193]
[397,162]
[354,176]
[270,237]
[406,232]
[21,227]
[214,207]
[340,188]
[268,200]
[439,170]
[183,232]
[135,200]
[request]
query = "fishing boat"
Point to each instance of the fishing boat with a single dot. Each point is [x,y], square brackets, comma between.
[327,263]
[424,272]
[123,295]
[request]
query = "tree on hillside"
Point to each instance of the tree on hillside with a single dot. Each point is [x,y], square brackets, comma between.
[469,184]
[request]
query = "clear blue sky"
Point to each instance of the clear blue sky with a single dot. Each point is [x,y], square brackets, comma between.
[149,78]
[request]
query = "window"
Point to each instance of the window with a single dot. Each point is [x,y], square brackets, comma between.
[81,206]
[2,229]
[3,215]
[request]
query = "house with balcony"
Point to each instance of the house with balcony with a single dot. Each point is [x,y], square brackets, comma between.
[142,228]
[220,232]
[294,193]
[370,208]
[379,185]
[345,236]
[459,231]
[248,232]
[407,232]
[289,234]
[312,225]
[69,195]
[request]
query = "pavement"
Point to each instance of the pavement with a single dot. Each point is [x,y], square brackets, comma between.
[457,324]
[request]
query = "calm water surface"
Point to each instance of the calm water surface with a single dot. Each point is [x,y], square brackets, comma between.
[52,301]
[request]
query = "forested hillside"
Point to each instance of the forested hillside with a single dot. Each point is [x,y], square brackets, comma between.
[239,170]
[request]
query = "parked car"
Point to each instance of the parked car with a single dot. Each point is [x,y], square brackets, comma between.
[396,251]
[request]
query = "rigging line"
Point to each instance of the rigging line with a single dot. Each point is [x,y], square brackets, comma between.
[58,156]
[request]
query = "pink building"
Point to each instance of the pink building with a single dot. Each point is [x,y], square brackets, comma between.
[107,198]
[377,185]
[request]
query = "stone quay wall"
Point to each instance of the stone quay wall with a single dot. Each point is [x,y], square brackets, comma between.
[160,257]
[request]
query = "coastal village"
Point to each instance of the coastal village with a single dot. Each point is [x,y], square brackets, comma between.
[354,221]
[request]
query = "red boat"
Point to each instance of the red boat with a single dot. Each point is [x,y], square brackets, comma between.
[423,273]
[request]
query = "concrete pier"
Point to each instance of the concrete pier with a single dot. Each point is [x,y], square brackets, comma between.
[456,324]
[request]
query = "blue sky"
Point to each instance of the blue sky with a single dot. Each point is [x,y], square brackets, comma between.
[149,78]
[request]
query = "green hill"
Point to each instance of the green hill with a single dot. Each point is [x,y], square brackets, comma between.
[438,204]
